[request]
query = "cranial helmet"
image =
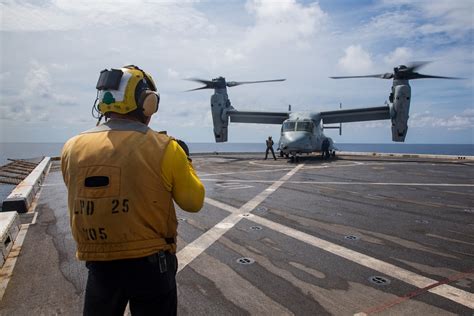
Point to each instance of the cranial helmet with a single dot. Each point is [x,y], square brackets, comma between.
[126,89]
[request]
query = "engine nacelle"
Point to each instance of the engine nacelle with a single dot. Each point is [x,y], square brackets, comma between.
[220,119]
[399,112]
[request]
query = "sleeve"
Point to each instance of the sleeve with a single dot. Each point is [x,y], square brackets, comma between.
[180,178]
[65,160]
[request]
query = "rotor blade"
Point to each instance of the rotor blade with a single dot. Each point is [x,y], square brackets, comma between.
[421,76]
[203,81]
[237,83]
[380,76]
[208,84]
[205,87]
[414,65]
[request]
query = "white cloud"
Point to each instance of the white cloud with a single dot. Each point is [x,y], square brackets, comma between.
[356,60]
[370,124]
[280,22]
[392,24]
[78,14]
[173,73]
[38,97]
[401,55]
[4,75]
[60,67]
[288,14]
[452,18]
[38,86]
[232,55]
[463,121]
[17,16]
[37,81]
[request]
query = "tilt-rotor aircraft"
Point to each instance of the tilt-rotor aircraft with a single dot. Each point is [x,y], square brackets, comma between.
[303,132]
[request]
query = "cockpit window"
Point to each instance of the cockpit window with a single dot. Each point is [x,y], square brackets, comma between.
[304,126]
[289,126]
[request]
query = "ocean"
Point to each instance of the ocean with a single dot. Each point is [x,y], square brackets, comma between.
[34,150]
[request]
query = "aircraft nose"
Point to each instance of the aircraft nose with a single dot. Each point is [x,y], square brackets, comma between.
[294,141]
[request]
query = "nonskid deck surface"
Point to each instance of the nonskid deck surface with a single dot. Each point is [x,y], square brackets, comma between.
[346,236]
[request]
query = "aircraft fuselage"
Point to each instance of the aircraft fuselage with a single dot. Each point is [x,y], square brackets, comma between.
[302,133]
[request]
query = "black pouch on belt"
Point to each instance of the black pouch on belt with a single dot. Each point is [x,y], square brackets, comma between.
[159,259]
[162,262]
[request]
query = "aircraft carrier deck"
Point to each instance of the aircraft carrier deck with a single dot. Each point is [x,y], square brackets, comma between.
[355,235]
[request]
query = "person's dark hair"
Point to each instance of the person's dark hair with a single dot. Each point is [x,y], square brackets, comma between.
[137,113]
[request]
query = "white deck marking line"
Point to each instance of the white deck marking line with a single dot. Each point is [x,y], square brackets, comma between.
[457,295]
[34,218]
[323,166]
[223,206]
[196,247]
[353,164]
[256,162]
[352,183]
[233,186]
[239,172]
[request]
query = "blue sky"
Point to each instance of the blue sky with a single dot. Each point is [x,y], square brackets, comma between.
[52,52]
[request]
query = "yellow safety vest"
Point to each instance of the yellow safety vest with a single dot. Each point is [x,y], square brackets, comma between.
[119,205]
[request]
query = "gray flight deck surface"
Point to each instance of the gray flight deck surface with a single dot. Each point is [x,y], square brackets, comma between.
[318,236]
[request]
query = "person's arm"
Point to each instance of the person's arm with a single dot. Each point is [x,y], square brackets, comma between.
[64,161]
[181,179]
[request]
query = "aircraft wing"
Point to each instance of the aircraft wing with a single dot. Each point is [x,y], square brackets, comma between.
[356,115]
[257,117]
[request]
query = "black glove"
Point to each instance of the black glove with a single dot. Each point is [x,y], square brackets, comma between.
[184,146]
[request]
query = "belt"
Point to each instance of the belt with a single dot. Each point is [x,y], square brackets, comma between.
[162,260]
[170,240]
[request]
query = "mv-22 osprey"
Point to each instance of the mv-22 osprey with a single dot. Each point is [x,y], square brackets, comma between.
[302,132]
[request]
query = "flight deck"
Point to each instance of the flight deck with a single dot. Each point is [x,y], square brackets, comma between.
[356,235]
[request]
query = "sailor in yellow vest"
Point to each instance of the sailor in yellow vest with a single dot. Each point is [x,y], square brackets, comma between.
[269,148]
[122,178]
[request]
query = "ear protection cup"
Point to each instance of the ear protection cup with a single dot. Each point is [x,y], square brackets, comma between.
[149,102]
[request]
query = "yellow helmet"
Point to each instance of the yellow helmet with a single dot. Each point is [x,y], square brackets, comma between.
[126,89]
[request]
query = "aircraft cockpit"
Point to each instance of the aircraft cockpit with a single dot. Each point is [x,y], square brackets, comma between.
[298,126]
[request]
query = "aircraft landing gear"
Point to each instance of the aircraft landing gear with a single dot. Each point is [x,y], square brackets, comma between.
[294,159]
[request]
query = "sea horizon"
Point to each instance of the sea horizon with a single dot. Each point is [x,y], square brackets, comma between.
[28,150]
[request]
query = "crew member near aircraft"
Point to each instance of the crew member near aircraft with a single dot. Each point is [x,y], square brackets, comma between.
[270,148]
[122,178]
[325,149]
